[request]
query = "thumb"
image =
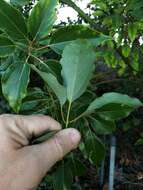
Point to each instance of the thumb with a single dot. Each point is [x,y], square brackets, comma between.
[56,148]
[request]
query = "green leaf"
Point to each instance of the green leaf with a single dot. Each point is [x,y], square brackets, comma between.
[77,167]
[52,81]
[77,67]
[12,22]
[139,142]
[44,137]
[7,47]
[132,31]
[126,50]
[72,32]
[59,47]
[94,147]
[113,106]
[55,67]
[36,102]
[42,18]
[14,84]
[135,7]
[103,127]
[19,2]
[52,66]
[65,35]
[62,177]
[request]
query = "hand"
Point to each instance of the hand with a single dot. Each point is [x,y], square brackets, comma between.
[22,166]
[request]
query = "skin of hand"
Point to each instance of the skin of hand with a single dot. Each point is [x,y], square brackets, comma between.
[22,166]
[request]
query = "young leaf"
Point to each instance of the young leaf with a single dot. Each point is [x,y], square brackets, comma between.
[113,106]
[77,67]
[52,81]
[62,178]
[12,22]
[14,84]
[42,18]
[7,47]
[94,147]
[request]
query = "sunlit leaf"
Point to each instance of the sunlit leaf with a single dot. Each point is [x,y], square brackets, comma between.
[113,106]
[77,67]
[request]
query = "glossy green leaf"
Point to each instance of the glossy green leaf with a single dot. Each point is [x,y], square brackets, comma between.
[12,22]
[52,81]
[7,47]
[62,177]
[77,67]
[42,18]
[14,84]
[94,147]
[112,106]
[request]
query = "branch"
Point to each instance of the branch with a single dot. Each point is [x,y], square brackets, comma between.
[80,12]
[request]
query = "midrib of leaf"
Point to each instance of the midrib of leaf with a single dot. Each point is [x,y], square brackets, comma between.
[73,86]
[110,111]
[14,25]
[7,46]
[91,136]
[40,26]
[21,76]
[22,71]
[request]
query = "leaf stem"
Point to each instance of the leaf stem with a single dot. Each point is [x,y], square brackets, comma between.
[68,114]
[39,60]
[54,104]
[42,62]
[62,114]
[77,118]
[44,47]
[80,12]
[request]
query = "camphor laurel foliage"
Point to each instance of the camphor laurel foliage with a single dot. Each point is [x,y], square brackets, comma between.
[67,94]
